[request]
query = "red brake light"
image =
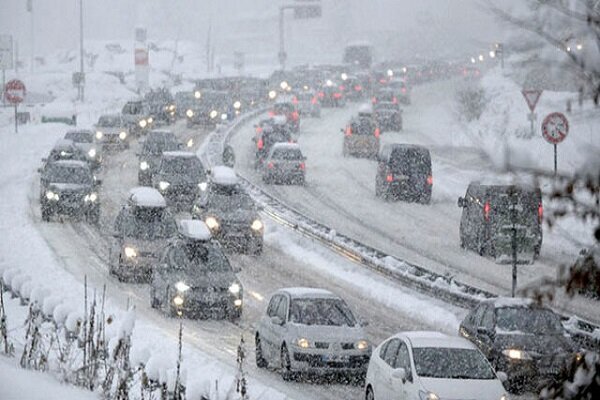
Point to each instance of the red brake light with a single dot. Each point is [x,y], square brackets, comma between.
[389,178]
[348,130]
[321,94]
[376,133]
[358,88]
[430,180]
[403,90]
[382,80]
[313,100]
[270,165]
[342,87]
[271,113]
[394,100]
[295,115]
[295,100]
[486,210]
[302,166]
[373,99]
[337,95]
[259,129]
[260,144]
[540,213]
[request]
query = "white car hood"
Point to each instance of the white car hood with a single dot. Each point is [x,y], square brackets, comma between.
[450,389]
[328,333]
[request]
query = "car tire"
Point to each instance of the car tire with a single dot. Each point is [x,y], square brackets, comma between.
[46,214]
[261,362]
[369,395]
[285,367]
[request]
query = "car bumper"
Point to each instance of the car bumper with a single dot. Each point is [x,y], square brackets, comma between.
[138,269]
[71,208]
[284,176]
[205,305]
[323,362]
[531,373]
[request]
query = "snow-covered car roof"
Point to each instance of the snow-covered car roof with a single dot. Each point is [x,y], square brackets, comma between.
[279,119]
[63,143]
[71,163]
[365,109]
[194,229]
[436,339]
[183,154]
[222,175]
[146,197]
[500,302]
[306,292]
[286,146]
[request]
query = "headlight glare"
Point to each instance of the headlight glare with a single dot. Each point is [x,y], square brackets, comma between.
[178,300]
[122,135]
[257,225]
[235,288]
[212,223]
[143,123]
[163,185]
[237,105]
[150,120]
[99,135]
[189,113]
[190,142]
[181,286]
[92,197]
[92,153]
[515,354]
[303,343]
[144,165]
[361,345]
[203,186]
[428,395]
[130,252]
[50,195]
[197,94]
[224,116]
[213,114]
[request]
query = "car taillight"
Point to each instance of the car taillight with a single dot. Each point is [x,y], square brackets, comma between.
[259,129]
[486,210]
[465,72]
[430,180]
[295,100]
[313,100]
[302,166]
[540,213]
[271,113]
[342,87]
[270,165]
[394,100]
[382,80]
[389,178]
[403,90]
[337,95]
[373,100]
[260,144]
[348,131]
[321,94]
[376,133]
[358,88]
[295,115]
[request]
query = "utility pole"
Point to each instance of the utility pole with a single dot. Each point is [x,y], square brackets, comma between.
[513,219]
[282,54]
[81,54]
[32,35]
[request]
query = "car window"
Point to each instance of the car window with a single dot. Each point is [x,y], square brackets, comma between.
[478,316]
[273,304]
[391,352]
[282,309]
[488,318]
[528,320]
[324,312]
[287,154]
[452,363]
[403,358]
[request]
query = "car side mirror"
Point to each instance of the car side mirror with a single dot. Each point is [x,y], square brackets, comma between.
[462,202]
[98,182]
[399,374]
[276,321]
[502,377]
[482,330]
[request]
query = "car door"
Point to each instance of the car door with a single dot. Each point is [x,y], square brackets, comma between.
[266,331]
[486,332]
[469,326]
[385,387]
[279,331]
[406,389]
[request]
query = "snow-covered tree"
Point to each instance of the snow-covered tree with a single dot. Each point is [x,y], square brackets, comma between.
[6,344]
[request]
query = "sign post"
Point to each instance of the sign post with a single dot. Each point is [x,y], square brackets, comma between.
[532,97]
[14,93]
[555,129]
[6,57]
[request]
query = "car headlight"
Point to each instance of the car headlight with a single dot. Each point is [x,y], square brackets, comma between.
[203,186]
[515,354]
[257,225]
[130,252]
[237,302]
[122,135]
[189,113]
[99,135]
[92,197]
[92,153]
[237,105]
[212,223]
[172,107]
[181,286]
[197,94]
[162,185]
[361,345]
[272,94]
[504,397]
[190,142]
[234,288]
[428,395]
[143,123]
[144,165]
[224,117]
[50,195]
[213,114]
[303,343]
[178,300]
[150,120]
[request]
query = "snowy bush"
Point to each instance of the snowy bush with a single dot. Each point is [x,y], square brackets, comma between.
[471,102]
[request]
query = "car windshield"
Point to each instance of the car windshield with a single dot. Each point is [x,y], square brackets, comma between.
[133,108]
[287,154]
[146,223]
[67,174]
[231,202]
[80,137]
[410,161]
[326,312]
[159,145]
[189,166]
[523,205]
[194,254]
[109,121]
[451,363]
[364,126]
[283,108]
[528,320]
[67,153]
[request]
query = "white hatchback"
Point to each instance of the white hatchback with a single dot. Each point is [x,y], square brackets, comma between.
[430,366]
[311,330]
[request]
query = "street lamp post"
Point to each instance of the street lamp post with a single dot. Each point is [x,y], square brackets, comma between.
[81,54]
[312,9]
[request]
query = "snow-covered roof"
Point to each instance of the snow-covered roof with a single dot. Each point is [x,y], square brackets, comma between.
[146,197]
[286,146]
[62,143]
[365,109]
[279,120]
[194,229]
[436,339]
[71,163]
[222,175]
[300,292]
[500,302]
[185,154]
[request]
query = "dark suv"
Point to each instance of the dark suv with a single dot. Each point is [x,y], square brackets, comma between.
[494,215]
[153,147]
[404,171]
[521,339]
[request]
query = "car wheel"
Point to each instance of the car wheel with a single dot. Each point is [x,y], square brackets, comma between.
[261,362]
[369,395]
[286,368]
[46,214]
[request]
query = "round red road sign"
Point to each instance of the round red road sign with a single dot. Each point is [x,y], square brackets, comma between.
[14,91]
[555,127]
